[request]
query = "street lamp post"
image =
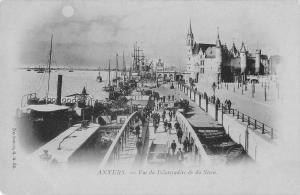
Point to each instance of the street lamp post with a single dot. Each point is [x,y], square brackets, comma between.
[265,92]
[214,88]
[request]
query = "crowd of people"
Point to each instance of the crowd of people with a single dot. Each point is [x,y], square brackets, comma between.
[176,149]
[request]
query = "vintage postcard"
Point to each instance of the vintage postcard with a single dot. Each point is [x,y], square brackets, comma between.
[149,97]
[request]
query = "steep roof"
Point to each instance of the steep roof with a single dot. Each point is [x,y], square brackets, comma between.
[206,48]
[243,48]
[234,50]
[265,57]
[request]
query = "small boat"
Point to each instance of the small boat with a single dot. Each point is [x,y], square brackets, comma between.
[71,70]
[109,87]
[28,69]
[99,78]
[40,70]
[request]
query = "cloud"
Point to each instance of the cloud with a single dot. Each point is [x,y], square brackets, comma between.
[98,30]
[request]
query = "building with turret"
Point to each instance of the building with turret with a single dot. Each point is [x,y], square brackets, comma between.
[217,63]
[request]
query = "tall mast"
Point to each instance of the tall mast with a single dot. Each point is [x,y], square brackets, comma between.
[133,56]
[49,68]
[117,66]
[124,66]
[109,72]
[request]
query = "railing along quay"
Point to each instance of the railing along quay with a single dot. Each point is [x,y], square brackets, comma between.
[256,124]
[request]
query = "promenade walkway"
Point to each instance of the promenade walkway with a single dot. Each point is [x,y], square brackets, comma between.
[264,111]
[162,136]
[197,117]
[208,130]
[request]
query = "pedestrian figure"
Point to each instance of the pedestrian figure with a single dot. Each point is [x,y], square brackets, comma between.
[131,128]
[170,114]
[179,135]
[139,145]
[229,104]
[179,155]
[173,147]
[169,127]
[218,102]
[137,131]
[165,125]
[186,145]
[191,144]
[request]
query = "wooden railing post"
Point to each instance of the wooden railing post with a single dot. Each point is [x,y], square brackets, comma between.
[199,100]
[216,112]
[206,101]
[222,112]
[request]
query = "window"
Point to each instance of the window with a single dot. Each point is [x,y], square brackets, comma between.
[202,70]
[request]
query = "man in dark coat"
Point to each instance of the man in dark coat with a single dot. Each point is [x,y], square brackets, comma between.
[179,135]
[139,145]
[229,104]
[165,125]
[173,147]
[137,131]
[186,144]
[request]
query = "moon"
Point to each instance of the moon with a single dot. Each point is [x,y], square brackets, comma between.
[68,11]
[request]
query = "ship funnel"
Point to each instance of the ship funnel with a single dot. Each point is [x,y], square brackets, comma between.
[59,87]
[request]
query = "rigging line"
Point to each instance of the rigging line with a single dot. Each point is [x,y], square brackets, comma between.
[49,67]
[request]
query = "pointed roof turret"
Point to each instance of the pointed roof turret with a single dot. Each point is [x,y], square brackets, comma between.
[190,28]
[218,42]
[233,50]
[84,91]
[243,48]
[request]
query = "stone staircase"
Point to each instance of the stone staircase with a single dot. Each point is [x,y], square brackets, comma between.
[129,152]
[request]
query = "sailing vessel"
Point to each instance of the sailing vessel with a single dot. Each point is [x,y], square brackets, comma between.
[99,78]
[108,87]
[71,69]
[41,119]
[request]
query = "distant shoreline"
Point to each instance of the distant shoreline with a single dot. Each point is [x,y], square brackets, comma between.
[67,69]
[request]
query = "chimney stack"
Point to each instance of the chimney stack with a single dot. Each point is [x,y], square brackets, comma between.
[59,86]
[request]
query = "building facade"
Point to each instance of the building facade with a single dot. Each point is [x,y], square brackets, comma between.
[162,74]
[217,63]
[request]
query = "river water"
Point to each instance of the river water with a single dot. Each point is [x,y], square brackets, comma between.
[73,82]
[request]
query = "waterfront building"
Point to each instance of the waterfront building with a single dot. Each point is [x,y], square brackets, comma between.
[217,63]
[163,73]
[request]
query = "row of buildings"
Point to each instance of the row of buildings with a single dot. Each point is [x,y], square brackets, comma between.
[219,63]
